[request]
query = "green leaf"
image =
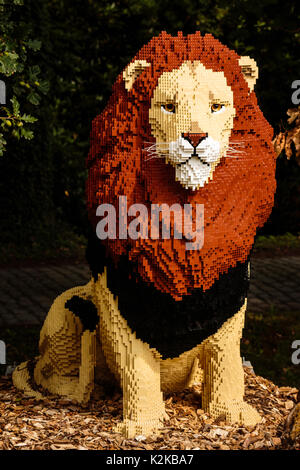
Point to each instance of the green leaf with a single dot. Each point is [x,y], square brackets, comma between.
[16,133]
[2,144]
[33,72]
[44,87]
[33,98]
[8,63]
[20,67]
[16,105]
[28,118]
[27,134]
[34,44]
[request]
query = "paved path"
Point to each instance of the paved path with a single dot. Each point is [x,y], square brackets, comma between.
[27,293]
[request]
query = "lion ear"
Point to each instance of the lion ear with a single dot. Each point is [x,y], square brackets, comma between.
[249,70]
[132,72]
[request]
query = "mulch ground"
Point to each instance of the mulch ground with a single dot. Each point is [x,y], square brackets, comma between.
[60,424]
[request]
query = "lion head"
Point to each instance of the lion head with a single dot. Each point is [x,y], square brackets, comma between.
[183,126]
[191,118]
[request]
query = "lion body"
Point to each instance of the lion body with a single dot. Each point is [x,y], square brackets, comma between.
[182,126]
[73,360]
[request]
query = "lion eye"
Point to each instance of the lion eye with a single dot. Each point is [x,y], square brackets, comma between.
[216,107]
[168,108]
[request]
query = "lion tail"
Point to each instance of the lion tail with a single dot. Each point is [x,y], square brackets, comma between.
[22,378]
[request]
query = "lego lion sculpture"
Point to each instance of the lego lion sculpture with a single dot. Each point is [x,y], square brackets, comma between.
[182,128]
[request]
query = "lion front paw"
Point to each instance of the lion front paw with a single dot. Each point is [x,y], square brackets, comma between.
[235,412]
[130,428]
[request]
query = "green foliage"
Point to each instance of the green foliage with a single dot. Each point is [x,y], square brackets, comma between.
[21,79]
[267,344]
[61,246]
[288,240]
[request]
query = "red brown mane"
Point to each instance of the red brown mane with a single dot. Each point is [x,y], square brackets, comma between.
[237,201]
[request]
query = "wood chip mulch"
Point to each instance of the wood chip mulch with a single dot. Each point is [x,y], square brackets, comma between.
[60,424]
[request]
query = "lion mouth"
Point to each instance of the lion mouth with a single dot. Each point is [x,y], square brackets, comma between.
[192,156]
[193,173]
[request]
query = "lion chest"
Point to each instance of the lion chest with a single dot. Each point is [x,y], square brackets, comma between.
[168,326]
[174,332]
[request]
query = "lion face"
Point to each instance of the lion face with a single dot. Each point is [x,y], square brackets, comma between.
[191,118]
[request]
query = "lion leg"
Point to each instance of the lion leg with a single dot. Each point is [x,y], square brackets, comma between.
[105,381]
[135,365]
[143,407]
[66,362]
[223,388]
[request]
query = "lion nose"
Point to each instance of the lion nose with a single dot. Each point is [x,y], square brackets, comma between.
[194,139]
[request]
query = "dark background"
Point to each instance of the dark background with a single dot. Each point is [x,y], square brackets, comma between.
[69,53]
